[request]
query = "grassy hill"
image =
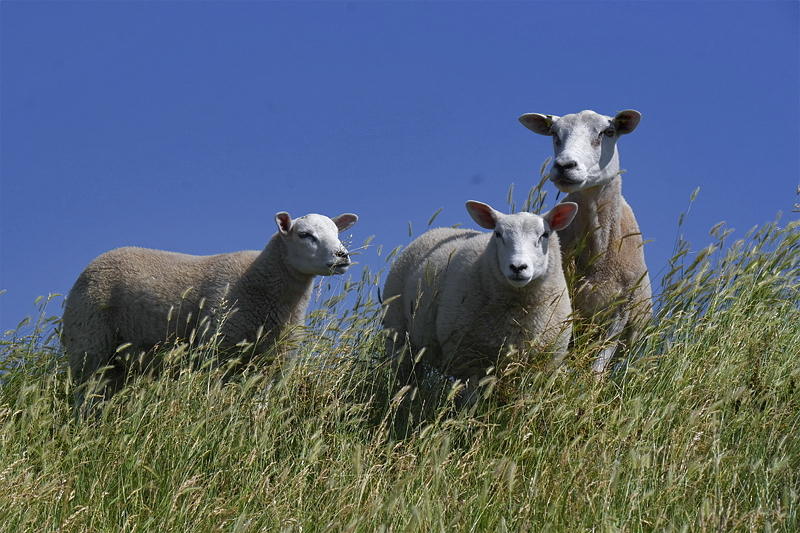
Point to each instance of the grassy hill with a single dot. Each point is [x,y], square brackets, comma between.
[700,432]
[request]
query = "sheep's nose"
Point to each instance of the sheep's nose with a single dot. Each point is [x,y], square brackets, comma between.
[342,253]
[565,164]
[517,269]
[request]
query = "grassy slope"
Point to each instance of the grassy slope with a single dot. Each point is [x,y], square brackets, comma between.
[701,433]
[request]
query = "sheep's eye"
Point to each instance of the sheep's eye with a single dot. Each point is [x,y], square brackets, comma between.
[546,235]
[303,234]
[498,235]
[556,140]
[609,132]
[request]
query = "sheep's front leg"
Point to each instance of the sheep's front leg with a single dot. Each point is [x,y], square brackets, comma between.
[612,336]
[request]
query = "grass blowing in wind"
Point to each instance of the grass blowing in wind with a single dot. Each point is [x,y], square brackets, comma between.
[698,431]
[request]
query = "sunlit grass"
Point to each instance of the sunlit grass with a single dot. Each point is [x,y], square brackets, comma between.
[700,432]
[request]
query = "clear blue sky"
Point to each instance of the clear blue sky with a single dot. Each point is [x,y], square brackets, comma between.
[186,126]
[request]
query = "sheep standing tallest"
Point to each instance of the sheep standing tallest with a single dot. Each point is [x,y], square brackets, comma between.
[604,239]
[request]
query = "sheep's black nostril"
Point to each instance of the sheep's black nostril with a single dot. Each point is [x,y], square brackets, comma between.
[517,269]
[342,253]
[565,165]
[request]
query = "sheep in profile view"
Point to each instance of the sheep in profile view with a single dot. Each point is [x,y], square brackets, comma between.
[143,298]
[604,239]
[466,297]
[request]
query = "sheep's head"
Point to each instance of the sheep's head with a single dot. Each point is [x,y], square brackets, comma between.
[584,145]
[312,242]
[521,240]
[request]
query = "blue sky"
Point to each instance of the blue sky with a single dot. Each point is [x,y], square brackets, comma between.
[186,126]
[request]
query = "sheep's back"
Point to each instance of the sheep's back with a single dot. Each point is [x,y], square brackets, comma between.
[413,280]
[147,295]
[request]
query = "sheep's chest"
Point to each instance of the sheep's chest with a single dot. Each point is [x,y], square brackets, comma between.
[495,324]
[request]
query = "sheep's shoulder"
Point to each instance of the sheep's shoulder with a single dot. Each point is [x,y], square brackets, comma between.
[449,253]
[625,260]
[229,267]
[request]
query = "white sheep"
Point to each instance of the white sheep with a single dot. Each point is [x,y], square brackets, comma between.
[466,297]
[604,239]
[147,298]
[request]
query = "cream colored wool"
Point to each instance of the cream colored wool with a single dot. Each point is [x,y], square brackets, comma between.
[604,240]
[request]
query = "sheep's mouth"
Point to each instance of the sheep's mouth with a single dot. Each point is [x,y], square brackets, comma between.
[339,268]
[562,181]
[518,280]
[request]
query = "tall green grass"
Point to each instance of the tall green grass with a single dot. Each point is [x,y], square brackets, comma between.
[699,432]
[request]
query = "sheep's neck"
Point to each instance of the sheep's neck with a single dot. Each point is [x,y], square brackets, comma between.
[598,221]
[271,270]
[297,285]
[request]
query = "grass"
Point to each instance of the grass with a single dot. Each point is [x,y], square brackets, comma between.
[700,431]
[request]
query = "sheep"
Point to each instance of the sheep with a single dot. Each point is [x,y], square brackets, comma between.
[140,299]
[466,298]
[604,241]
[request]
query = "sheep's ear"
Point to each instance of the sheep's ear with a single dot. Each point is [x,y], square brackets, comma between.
[485,216]
[626,121]
[284,222]
[561,215]
[345,221]
[538,123]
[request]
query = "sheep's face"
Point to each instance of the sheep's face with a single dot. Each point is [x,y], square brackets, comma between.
[312,243]
[521,241]
[584,146]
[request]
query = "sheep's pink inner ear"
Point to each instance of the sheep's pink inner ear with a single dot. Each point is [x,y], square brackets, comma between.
[484,215]
[561,215]
[345,221]
[538,123]
[284,222]
[626,121]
